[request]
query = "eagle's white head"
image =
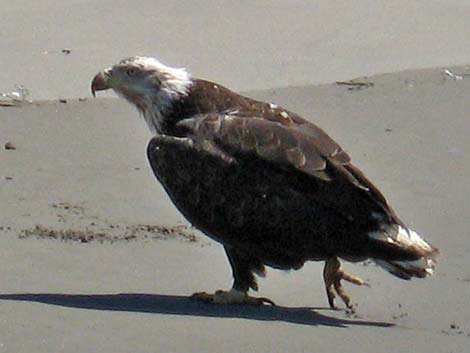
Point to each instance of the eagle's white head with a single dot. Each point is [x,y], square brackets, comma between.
[146,83]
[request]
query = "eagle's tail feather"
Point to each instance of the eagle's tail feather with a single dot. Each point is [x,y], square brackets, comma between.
[417,259]
[407,269]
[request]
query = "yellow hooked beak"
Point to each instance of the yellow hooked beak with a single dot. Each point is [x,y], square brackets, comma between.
[100,82]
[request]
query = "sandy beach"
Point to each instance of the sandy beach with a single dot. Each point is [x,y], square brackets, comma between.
[95,258]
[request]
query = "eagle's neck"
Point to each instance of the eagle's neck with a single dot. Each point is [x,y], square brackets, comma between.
[175,85]
[156,112]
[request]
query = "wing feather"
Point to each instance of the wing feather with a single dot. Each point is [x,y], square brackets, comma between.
[304,147]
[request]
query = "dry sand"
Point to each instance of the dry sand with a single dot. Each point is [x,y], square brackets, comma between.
[244,44]
[82,219]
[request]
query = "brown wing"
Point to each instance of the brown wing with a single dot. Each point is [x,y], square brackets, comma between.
[304,146]
[289,143]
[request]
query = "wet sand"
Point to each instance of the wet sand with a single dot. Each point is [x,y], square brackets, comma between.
[95,258]
[80,167]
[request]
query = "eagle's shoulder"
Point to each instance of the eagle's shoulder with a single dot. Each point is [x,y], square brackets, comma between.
[242,125]
[210,98]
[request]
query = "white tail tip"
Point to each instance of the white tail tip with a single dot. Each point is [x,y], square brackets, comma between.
[407,239]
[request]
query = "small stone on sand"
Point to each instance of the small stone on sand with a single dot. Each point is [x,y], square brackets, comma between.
[10,146]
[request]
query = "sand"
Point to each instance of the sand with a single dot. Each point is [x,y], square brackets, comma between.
[94,257]
[53,47]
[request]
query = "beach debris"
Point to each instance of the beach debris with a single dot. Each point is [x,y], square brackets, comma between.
[410,83]
[102,235]
[451,74]
[63,100]
[351,312]
[82,99]
[8,178]
[15,98]
[355,85]
[454,329]
[401,313]
[456,77]
[9,146]
[65,51]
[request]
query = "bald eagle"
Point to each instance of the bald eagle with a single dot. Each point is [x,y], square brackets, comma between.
[274,189]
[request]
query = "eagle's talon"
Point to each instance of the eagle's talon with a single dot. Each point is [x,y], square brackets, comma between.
[202,296]
[333,274]
[231,297]
[260,301]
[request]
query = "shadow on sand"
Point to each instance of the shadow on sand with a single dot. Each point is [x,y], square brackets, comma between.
[180,305]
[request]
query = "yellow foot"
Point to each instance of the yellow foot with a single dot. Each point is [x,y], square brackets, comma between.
[232,296]
[332,275]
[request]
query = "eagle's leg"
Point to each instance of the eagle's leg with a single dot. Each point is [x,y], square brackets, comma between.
[243,267]
[333,274]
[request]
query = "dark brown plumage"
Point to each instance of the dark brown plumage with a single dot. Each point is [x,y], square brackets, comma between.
[272,187]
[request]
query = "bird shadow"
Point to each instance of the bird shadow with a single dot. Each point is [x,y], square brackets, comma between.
[181,305]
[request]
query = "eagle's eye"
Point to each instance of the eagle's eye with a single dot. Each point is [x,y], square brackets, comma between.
[131,72]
